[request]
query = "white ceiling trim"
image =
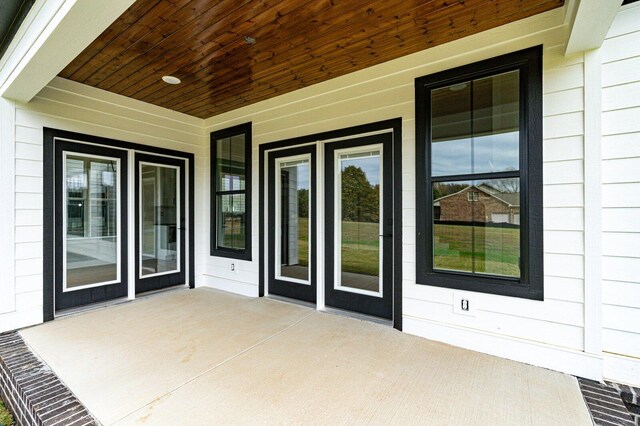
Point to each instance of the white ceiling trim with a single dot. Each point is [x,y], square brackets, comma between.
[52,35]
[590,25]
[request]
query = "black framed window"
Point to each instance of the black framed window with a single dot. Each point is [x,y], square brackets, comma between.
[479,176]
[231,192]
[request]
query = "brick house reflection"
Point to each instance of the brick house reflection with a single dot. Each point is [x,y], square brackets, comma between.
[480,204]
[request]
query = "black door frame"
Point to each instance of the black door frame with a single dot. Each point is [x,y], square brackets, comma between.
[285,288]
[166,280]
[395,127]
[343,299]
[51,137]
[104,292]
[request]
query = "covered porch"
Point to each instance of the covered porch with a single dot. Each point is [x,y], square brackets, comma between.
[204,356]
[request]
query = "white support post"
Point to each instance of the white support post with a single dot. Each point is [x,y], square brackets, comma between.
[592,203]
[320,228]
[131,217]
[7,206]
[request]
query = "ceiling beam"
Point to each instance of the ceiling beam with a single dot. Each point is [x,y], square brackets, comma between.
[590,25]
[52,35]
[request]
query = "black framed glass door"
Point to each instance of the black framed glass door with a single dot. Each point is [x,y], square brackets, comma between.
[90,224]
[359,225]
[160,222]
[292,223]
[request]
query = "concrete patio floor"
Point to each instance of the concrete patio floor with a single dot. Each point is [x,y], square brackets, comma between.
[206,357]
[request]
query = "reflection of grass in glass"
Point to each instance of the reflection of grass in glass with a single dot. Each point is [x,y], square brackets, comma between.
[233,234]
[360,248]
[497,250]
[358,255]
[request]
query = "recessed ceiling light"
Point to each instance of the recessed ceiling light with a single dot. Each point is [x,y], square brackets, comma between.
[171,79]
[249,40]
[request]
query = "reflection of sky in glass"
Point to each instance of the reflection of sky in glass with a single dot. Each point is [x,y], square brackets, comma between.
[303,176]
[369,165]
[491,153]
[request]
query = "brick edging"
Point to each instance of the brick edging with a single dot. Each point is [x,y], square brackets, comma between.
[605,404]
[33,392]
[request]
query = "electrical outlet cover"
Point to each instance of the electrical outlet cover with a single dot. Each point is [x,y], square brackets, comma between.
[458,297]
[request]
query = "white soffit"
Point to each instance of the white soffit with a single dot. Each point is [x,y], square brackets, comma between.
[51,36]
[591,23]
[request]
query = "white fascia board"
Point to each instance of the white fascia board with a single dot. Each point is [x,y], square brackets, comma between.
[590,25]
[52,35]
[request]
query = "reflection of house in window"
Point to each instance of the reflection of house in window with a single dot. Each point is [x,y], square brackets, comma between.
[479,203]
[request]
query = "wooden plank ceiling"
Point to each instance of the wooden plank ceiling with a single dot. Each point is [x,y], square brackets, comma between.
[297,43]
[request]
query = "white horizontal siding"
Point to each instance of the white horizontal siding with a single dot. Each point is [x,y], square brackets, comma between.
[69,106]
[621,293]
[562,149]
[387,91]
[621,185]
[621,146]
[621,342]
[514,324]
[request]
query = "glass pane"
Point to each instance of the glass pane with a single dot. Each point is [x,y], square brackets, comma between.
[476,227]
[159,213]
[231,163]
[451,132]
[231,221]
[496,123]
[360,180]
[475,126]
[294,220]
[91,234]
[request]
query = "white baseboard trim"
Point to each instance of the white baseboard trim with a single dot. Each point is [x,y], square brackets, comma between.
[539,354]
[621,369]
[238,287]
[21,319]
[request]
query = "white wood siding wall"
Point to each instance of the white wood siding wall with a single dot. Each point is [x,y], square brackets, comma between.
[69,106]
[549,333]
[621,194]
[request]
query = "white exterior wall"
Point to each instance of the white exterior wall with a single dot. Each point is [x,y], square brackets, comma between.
[562,332]
[549,333]
[68,106]
[620,54]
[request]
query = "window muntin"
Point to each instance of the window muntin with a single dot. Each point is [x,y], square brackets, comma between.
[475,131]
[479,176]
[475,126]
[474,230]
[231,149]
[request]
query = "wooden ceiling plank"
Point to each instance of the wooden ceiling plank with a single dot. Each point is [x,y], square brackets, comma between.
[263,92]
[263,33]
[120,42]
[299,43]
[122,24]
[228,37]
[158,26]
[172,52]
[270,67]
[327,39]
[412,42]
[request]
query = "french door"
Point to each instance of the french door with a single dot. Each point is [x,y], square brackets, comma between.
[160,222]
[90,224]
[359,225]
[292,223]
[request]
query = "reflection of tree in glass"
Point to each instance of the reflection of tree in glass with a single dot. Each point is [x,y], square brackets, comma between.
[441,189]
[303,202]
[360,199]
[360,206]
[505,186]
